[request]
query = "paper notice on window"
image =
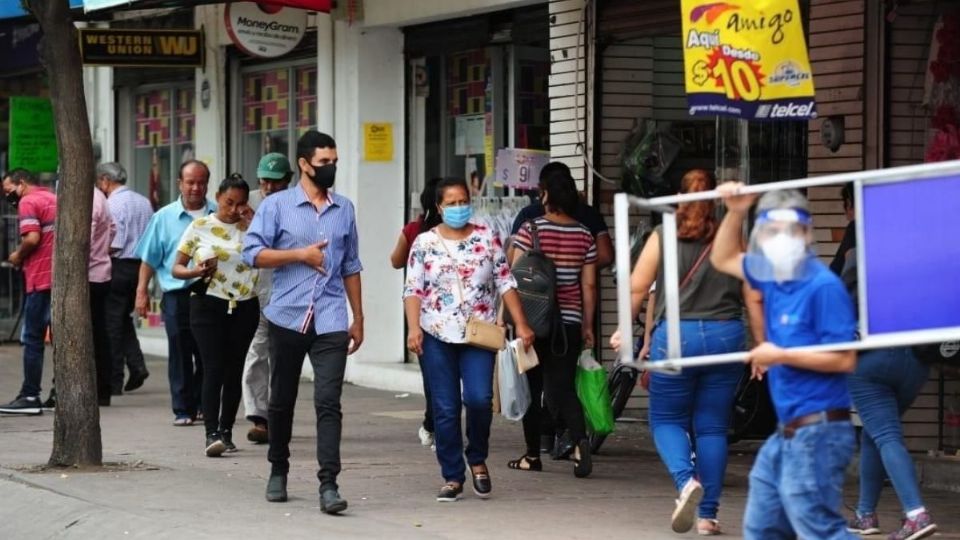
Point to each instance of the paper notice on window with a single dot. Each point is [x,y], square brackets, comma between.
[377,142]
[469,134]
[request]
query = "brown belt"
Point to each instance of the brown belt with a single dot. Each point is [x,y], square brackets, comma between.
[834,415]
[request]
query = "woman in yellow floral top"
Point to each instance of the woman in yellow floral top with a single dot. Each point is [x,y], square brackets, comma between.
[224,310]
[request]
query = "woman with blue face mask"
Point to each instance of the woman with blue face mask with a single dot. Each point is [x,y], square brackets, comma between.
[455,271]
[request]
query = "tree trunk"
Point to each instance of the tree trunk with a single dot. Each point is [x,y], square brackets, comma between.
[76,425]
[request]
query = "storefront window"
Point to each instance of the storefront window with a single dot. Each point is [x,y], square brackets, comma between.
[532,122]
[185,123]
[266,107]
[306,92]
[469,114]
[164,121]
[268,99]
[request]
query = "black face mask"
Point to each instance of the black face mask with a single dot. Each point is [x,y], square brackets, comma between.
[13,198]
[324,175]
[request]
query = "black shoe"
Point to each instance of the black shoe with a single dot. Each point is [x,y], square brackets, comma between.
[450,492]
[116,392]
[277,488]
[51,402]
[215,446]
[583,464]
[136,380]
[546,444]
[331,502]
[227,437]
[563,447]
[23,405]
[482,486]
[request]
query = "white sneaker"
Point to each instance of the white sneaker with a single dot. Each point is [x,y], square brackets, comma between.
[683,516]
[426,438]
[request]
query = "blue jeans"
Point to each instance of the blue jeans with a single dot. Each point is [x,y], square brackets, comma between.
[796,485]
[446,366]
[883,388]
[36,319]
[699,398]
[184,368]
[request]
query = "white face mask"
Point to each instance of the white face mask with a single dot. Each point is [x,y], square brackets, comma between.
[785,252]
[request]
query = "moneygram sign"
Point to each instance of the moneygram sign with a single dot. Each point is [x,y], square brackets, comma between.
[266,32]
[747,59]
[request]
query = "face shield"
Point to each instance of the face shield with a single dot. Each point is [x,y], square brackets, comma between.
[779,249]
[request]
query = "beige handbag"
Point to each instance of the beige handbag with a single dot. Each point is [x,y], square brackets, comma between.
[481,334]
[485,335]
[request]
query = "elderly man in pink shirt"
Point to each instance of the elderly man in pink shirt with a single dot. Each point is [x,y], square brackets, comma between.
[102,230]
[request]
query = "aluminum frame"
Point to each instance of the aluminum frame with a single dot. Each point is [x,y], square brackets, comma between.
[623,201]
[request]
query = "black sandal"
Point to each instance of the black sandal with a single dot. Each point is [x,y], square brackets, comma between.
[582,460]
[525,463]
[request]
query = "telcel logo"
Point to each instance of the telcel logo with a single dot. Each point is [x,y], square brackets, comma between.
[790,110]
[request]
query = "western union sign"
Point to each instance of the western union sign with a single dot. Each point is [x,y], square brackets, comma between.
[137,47]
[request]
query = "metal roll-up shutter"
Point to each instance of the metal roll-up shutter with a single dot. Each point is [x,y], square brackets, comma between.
[619,20]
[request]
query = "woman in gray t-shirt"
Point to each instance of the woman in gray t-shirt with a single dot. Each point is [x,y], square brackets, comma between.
[701,398]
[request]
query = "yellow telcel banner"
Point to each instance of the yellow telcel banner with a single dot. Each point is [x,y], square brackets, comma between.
[747,59]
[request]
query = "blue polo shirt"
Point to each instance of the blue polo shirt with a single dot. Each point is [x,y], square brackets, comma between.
[813,311]
[158,245]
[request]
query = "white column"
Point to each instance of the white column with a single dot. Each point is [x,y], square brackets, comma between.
[210,136]
[325,74]
[369,86]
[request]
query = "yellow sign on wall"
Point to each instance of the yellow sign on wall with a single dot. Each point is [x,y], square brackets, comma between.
[377,141]
[747,59]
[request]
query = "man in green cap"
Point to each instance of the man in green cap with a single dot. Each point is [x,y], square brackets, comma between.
[274,175]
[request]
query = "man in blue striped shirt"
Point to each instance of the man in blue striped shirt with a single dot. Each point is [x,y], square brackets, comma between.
[131,213]
[308,235]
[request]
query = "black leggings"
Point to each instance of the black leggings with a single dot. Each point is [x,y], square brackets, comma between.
[554,377]
[223,339]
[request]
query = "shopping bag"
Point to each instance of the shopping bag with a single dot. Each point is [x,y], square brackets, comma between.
[496,388]
[514,388]
[594,395]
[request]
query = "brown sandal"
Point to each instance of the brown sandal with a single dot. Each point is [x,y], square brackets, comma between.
[526,463]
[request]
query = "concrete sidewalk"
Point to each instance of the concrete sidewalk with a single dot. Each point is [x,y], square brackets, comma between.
[389,479]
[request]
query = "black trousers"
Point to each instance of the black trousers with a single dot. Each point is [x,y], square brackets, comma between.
[223,339]
[124,345]
[184,361]
[554,378]
[101,338]
[328,355]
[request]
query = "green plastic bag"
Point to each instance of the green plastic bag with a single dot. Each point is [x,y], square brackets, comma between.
[594,396]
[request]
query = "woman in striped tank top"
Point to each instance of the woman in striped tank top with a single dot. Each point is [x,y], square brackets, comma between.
[573,250]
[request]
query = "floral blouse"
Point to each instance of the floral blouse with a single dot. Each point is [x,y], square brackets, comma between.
[209,237]
[478,262]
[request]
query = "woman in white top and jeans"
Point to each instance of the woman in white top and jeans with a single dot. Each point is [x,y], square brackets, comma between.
[224,310]
[455,271]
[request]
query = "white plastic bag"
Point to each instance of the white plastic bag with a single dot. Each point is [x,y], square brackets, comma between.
[513,385]
[588,361]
